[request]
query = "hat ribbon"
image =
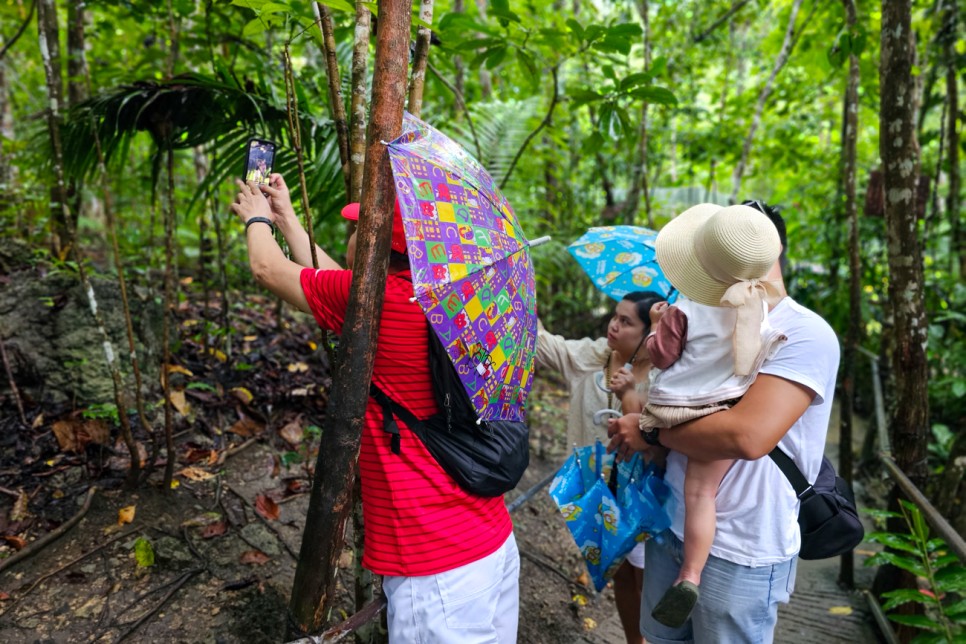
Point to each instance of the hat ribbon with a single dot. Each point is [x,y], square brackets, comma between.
[749,298]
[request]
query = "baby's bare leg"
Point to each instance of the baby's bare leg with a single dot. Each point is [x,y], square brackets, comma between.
[700,488]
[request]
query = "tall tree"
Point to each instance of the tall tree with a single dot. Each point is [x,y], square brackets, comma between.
[763,95]
[417,79]
[850,125]
[323,16]
[331,497]
[358,103]
[60,215]
[949,38]
[899,151]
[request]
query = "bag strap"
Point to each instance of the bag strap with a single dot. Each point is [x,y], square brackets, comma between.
[794,475]
[390,409]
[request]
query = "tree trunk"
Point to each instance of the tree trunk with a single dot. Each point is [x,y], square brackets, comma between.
[417,80]
[899,151]
[850,121]
[357,125]
[957,241]
[780,61]
[486,82]
[458,60]
[60,216]
[335,470]
[336,105]
[639,175]
[77,77]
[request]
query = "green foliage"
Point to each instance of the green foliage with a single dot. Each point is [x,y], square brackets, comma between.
[942,575]
[104,411]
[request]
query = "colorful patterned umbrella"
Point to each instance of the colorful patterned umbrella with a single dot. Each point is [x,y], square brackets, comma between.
[606,523]
[620,259]
[471,267]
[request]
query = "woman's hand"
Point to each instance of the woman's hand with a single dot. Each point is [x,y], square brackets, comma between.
[279,199]
[250,202]
[622,382]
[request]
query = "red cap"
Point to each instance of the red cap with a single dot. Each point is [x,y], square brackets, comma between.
[351,211]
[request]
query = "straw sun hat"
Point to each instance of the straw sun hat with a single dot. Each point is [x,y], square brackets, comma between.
[707,249]
[719,257]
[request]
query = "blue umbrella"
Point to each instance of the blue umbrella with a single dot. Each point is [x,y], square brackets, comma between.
[620,259]
[606,523]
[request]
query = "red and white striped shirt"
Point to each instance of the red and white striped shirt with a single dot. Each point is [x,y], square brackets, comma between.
[418,520]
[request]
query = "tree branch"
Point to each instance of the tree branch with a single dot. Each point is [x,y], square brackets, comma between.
[720,21]
[23,27]
[459,98]
[543,124]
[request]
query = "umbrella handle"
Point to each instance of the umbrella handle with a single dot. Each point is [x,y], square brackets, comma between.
[602,414]
[599,378]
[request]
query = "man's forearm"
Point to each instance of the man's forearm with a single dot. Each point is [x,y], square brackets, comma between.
[750,429]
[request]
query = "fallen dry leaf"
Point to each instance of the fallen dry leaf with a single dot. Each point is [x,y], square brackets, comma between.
[4,596]
[73,434]
[266,507]
[175,368]
[17,542]
[214,530]
[840,610]
[218,354]
[292,432]
[583,579]
[246,427]
[20,511]
[197,454]
[254,557]
[242,394]
[178,402]
[195,474]
[38,421]
[250,338]
[298,367]
[125,514]
[589,624]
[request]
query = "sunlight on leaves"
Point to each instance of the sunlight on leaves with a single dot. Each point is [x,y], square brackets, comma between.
[143,553]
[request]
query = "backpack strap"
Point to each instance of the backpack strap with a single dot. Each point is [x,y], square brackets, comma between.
[794,475]
[390,409]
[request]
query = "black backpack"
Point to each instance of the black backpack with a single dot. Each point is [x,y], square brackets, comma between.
[486,458]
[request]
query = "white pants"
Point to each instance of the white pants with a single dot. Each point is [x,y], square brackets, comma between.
[478,603]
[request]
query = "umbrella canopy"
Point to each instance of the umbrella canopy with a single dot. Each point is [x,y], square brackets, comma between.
[620,259]
[606,521]
[471,267]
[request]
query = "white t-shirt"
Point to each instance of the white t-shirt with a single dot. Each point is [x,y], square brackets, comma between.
[757,510]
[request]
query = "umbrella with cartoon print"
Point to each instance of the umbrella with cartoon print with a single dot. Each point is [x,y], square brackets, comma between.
[621,259]
[606,523]
[471,267]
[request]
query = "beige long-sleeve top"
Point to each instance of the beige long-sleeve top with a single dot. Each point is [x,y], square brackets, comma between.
[578,361]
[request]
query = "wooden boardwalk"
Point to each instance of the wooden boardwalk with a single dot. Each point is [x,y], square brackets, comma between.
[819,613]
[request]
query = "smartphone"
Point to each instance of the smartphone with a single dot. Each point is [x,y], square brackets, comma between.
[261,158]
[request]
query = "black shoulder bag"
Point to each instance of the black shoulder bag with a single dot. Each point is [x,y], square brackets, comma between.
[827,517]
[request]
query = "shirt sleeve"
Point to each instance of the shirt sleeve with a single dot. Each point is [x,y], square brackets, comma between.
[666,343]
[327,293]
[570,357]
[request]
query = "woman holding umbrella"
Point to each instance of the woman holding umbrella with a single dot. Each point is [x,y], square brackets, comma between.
[599,378]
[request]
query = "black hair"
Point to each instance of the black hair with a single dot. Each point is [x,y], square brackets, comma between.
[643,301]
[774,214]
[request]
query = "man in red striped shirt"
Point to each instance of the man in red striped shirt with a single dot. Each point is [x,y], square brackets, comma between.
[449,559]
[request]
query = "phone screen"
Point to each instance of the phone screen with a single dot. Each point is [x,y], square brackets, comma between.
[261,158]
